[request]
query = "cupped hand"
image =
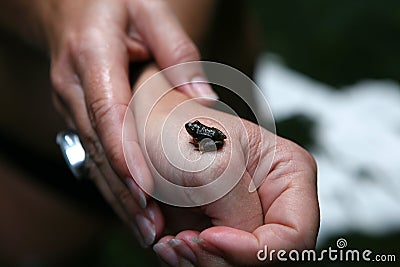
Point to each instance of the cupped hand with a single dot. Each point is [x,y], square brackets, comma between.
[91,44]
[290,211]
[282,213]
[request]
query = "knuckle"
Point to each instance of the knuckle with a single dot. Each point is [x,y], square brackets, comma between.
[62,76]
[58,79]
[292,153]
[116,156]
[184,51]
[103,113]
[98,109]
[95,150]
[309,159]
[301,154]
[81,45]
[103,110]
[77,42]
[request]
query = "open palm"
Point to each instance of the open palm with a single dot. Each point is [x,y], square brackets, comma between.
[282,213]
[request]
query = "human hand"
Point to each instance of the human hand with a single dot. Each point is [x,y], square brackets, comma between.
[91,44]
[290,218]
[238,227]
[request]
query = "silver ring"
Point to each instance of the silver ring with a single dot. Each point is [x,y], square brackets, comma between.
[74,154]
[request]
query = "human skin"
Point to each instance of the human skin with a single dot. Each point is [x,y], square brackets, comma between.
[283,213]
[91,44]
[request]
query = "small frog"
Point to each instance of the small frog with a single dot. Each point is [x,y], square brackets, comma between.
[205,138]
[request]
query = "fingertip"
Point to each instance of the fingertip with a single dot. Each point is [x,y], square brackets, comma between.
[183,249]
[226,240]
[199,87]
[207,246]
[147,228]
[205,253]
[200,91]
[137,235]
[137,166]
[252,187]
[225,236]
[166,253]
[154,213]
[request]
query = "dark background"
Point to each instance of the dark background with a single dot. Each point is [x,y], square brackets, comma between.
[338,42]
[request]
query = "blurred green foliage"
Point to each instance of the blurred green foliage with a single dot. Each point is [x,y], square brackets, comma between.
[337,42]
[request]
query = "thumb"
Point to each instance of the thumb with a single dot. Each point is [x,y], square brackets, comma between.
[239,208]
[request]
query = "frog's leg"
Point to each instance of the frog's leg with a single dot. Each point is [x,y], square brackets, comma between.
[219,144]
[195,142]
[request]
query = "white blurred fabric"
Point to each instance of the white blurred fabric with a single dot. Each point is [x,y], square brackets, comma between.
[357,145]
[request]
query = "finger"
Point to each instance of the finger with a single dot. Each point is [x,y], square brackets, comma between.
[289,193]
[204,253]
[121,212]
[106,192]
[165,252]
[146,224]
[62,110]
[170,45]
[185,254]
[137,50]
[237,246]
[107,96]
[96,155]
[94,173]
[238,201]
[74,99]
[175,252]
[133,154]
[104,75]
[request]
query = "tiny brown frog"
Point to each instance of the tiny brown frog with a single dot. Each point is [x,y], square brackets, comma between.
[205,138]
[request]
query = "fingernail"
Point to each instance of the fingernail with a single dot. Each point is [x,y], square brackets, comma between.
[207,246]
[200,88]
[147,229]
[137,235]
[182,249]
[136,192]
[166,253]
[150,214]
